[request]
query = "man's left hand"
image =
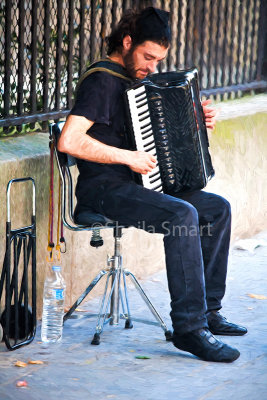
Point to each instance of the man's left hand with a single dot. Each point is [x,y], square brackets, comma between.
[210,114]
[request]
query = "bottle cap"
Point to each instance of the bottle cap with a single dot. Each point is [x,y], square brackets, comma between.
[56,268]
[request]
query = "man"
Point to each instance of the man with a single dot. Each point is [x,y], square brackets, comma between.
[95,134]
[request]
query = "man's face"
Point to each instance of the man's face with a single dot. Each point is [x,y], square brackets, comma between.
[143,59]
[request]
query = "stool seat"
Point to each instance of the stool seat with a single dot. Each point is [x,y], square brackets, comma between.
[88,217]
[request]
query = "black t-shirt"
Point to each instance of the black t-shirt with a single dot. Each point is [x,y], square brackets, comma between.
[100,98]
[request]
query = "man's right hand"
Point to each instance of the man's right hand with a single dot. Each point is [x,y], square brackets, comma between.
[141,162]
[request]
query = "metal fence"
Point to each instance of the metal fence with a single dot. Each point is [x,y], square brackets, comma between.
[46,44]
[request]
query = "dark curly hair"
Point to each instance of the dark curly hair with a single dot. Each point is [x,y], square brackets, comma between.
[127,26]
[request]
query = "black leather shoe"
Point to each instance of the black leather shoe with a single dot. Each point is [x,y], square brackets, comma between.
[204,345]
[218,325]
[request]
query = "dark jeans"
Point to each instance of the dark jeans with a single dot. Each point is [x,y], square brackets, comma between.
[196,228]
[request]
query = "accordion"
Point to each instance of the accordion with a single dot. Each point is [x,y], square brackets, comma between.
[166,119]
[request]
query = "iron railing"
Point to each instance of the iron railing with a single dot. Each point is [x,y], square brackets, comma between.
[46,44]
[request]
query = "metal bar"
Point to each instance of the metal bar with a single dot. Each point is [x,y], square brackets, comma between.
[103,27]
[70,53]
[21,57]
[170,61]
[217,47]
[246,29]
[262,32]
[3,275]
[188,38]
[15,289]
[82,36]
[29,249]
[8,261]
[232,41]
[235,88]
[239,42]
[11,121]
[25,288]
[33,99]
[114,13]
[7,63]
[179,64]
[253,42]
[34,289]
[136,4]
[16,258]
[210,41]
[125,5]
[225,42]
[196,32]
[203,40]
[46,56]
[93,31]
[58,54]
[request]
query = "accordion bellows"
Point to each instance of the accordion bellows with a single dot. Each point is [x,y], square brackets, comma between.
[166,119]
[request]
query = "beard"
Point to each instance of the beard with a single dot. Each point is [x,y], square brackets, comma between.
[129,63]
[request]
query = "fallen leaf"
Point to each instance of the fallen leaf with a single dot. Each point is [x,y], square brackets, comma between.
[132,351]
[20,364]
[22,384]
[257,296]
[38,362]
[142,357]
[90,361]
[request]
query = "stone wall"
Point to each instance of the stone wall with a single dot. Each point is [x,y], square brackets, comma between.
[238,148]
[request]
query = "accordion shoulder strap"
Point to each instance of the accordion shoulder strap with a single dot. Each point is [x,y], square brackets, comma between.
[104,65]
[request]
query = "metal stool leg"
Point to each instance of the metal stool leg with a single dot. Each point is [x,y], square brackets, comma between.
[84,294]
[102,316]
[128,322]
[160,322]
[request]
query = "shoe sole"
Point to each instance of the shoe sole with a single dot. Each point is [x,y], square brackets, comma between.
[227,334]
[204,359]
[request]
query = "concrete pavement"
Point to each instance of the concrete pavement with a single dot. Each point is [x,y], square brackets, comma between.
[75,369]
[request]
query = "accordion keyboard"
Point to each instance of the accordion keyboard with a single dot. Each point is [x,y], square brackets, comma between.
[144,139]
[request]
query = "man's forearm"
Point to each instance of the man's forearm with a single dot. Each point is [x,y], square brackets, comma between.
[76,142]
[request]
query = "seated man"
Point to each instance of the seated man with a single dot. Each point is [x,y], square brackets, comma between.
[95,134]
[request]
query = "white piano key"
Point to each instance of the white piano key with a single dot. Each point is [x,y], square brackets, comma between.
[138,91]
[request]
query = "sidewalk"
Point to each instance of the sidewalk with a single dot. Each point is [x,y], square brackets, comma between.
[75,369]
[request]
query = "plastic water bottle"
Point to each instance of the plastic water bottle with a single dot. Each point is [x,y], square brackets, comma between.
[53,307]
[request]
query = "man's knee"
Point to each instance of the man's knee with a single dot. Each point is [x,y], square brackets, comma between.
[184,220]
[224,206]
